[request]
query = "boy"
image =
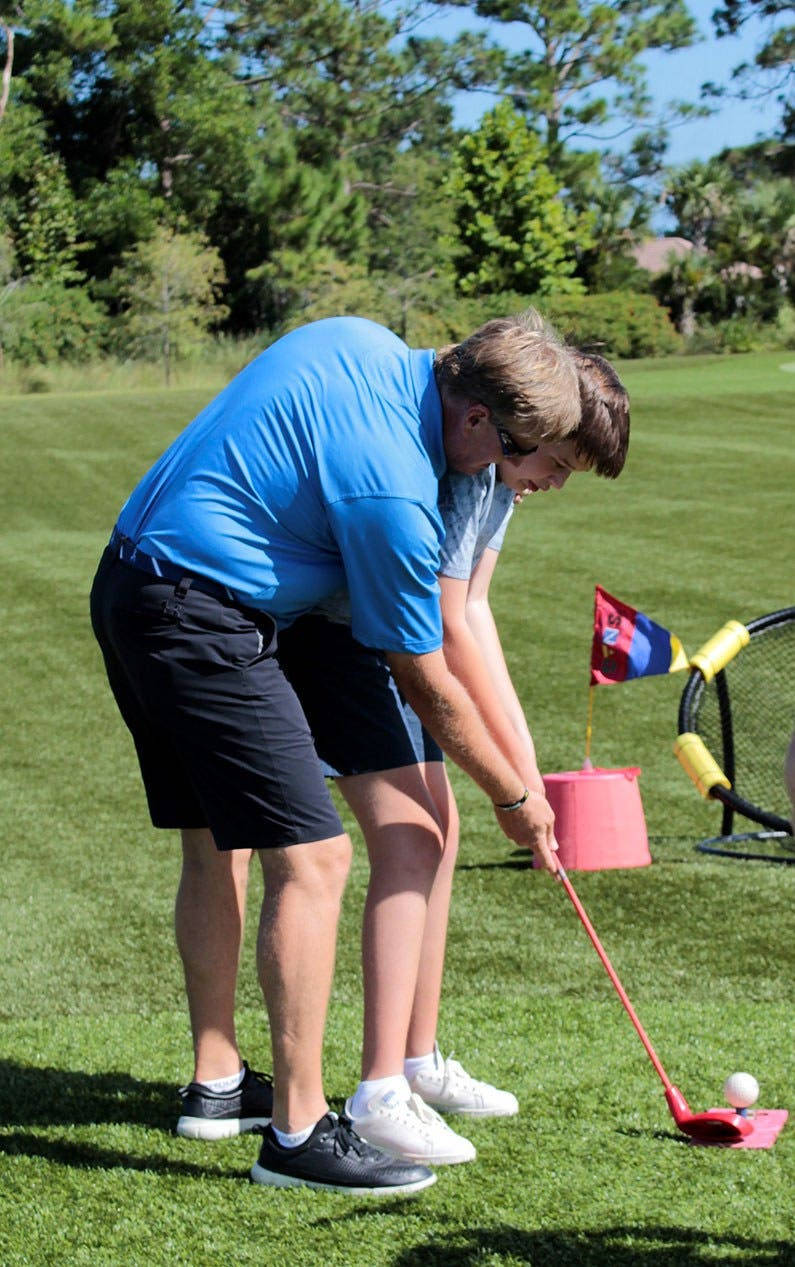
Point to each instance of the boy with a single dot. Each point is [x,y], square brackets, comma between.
[391,773]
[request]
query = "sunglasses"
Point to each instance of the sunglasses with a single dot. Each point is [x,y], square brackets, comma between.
[510,449]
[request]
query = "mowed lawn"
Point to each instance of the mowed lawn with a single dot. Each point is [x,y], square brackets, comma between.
[93,1034]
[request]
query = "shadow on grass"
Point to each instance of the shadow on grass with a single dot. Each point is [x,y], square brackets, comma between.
[633,1132]
[607,1247]
[30,1095]
[34,1096]
[83,1156]
[509,864]
[522,859]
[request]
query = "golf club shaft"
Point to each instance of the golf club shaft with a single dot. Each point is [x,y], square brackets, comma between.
[622,994]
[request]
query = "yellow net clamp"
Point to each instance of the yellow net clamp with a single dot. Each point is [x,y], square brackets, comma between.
[720,649]
[697,762]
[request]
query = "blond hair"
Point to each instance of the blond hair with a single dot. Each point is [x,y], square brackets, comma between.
[519,369]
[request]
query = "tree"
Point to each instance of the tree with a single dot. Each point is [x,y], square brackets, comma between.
[350,96]
[772,70]
[169,287]
[582,71]
[139,107]
[410,214]
[355,81]
[744,238]
[8,34]
[682,285]
[699,195]
[618,221]
[758,233]
[267,125]
[46,231]
[514,231]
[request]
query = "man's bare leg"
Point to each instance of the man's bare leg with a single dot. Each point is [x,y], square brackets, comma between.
[209,917]
[295,956]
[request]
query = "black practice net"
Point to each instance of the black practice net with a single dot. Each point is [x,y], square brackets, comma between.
[746,716]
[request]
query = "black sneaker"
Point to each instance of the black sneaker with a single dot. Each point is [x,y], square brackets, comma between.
[335,1158]
[210,1114]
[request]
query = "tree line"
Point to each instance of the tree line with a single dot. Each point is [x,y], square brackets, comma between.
[169,167]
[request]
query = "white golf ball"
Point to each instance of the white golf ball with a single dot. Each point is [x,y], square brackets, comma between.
[741,1090]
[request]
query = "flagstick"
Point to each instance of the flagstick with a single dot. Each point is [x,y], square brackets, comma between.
[587,763]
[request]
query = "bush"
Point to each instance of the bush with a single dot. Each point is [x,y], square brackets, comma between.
[45,322]
[735,334]
[784,330]
[617,323]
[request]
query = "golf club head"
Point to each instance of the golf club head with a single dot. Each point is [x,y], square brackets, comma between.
[719,1126]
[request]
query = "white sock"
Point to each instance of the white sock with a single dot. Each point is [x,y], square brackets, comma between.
[378,1088]
[225,1084]
[413,1065]
[292,1141]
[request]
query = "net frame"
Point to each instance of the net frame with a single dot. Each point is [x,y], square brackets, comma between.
[732,801]
[759,846]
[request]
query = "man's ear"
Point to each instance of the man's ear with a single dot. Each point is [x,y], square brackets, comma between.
[477,413]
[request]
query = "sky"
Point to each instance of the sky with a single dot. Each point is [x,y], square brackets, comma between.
[670,76]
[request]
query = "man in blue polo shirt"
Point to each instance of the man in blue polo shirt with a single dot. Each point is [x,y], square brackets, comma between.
[316,467]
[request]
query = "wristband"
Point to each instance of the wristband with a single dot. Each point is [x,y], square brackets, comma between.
[514,804]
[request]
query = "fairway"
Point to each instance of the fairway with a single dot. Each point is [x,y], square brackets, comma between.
[94,1038]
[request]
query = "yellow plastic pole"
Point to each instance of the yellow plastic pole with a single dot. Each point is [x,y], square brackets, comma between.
[587,765]
[720,649]
[698,762]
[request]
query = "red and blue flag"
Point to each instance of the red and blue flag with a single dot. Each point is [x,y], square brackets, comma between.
[626,644]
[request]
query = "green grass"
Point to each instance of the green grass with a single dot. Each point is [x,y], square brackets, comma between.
[93,1034]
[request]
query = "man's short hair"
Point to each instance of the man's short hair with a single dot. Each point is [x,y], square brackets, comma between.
[520,369]
[602,437]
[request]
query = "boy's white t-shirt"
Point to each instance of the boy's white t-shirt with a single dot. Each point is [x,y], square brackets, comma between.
[475,510]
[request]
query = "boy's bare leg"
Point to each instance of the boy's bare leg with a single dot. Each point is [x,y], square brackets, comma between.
[427,995]
[404,840]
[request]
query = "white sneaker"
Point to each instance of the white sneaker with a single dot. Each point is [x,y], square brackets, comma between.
[408,1129]
[450,1088]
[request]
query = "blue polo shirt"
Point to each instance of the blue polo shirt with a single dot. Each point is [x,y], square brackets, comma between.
[316,468]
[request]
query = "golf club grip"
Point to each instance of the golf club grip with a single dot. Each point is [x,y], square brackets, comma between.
[622,994]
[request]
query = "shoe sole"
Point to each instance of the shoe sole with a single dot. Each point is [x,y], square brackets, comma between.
[274,1179]
[224,1128]
[437,1160]
[422,1159]
[450,1108]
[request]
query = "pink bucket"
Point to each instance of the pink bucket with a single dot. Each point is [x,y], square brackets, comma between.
[599,822]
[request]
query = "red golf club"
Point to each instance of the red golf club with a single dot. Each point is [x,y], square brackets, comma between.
[719,1126]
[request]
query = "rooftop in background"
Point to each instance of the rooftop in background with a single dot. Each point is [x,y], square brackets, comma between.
[653,254]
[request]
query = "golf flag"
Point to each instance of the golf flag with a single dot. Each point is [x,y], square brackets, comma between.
[626,644]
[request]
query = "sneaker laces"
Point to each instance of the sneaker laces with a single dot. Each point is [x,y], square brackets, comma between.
[264,1079]
[428,1116]
[414,1113]
[455,1075]
[345,1138]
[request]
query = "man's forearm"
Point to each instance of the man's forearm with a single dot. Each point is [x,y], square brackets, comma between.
[447,711]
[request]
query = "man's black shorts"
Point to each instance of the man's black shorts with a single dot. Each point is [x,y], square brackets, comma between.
[222,741]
